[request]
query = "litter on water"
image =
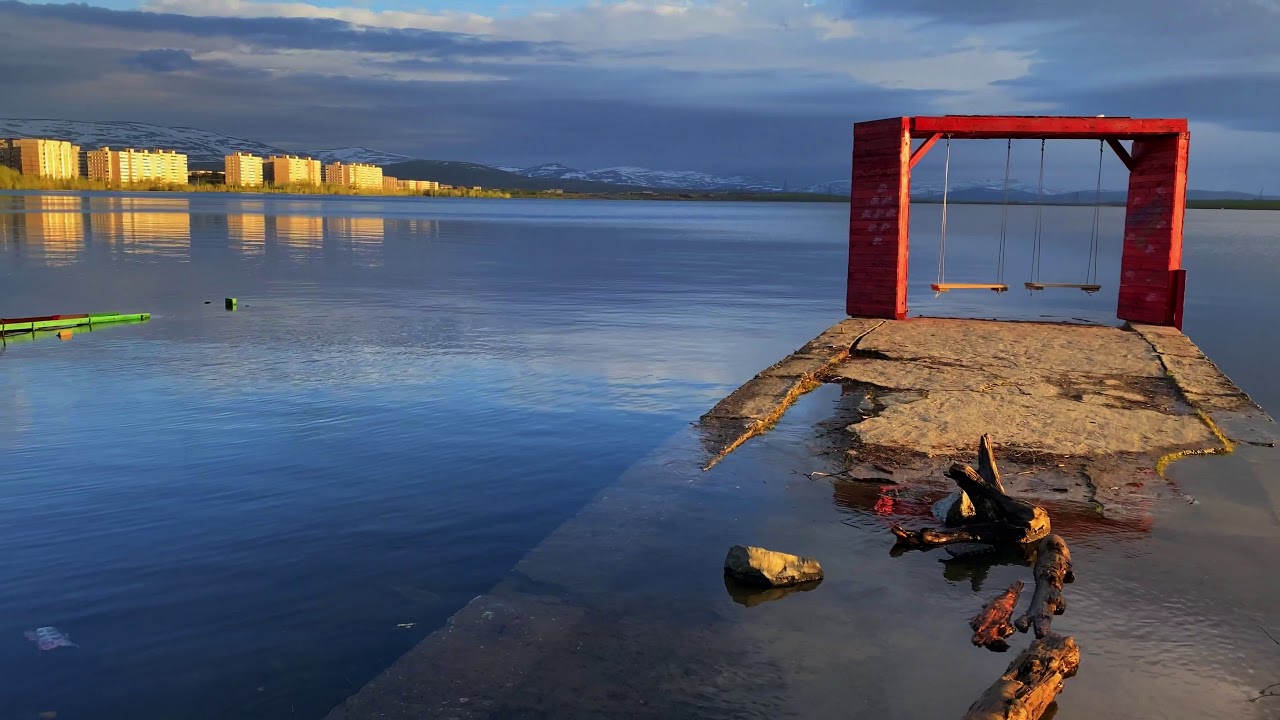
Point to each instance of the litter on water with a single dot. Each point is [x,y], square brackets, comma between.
[48,638]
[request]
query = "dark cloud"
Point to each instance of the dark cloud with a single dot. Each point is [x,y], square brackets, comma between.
[1248,101]
[1180,58]
[791,124]
[162,60]
[290,33]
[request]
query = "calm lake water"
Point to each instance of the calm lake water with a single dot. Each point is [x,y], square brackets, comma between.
[250,514]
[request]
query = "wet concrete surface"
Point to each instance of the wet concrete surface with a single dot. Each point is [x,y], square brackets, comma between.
[624,611]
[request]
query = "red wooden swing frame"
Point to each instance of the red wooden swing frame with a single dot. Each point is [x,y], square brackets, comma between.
[1152,282]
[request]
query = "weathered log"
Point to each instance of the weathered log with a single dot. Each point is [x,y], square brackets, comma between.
[987,463]
[992,625]
[931,537]
[1053,567]
[993,505]
[998,518]
[1033,680]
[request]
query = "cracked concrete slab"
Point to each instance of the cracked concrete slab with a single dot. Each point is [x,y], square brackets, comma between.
[760,401]
[1079,412]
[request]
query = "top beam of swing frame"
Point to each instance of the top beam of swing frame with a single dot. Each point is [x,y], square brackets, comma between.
[1152,282]
[1043,127]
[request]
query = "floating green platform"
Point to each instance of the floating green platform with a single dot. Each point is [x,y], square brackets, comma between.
[60,322]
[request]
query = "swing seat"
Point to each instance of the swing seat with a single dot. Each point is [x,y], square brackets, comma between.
[943,287]
[1042,286]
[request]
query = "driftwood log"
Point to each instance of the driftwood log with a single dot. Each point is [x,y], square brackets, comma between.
[1033,680]
[992,625]
[1053,567]
[987,463]
[998,518]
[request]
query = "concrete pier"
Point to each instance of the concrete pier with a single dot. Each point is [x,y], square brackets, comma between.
[623,611]
[1080,411]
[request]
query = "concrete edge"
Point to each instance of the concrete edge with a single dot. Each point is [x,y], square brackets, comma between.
[1227,409]
[758,403]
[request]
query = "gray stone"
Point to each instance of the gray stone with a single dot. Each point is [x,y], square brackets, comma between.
[954,510]
[766,568]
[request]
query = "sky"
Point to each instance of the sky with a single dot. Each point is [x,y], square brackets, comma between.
[768,88]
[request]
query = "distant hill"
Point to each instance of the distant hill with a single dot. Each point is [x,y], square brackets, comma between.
[468,174]
[199,145]
[628,176]
[358,155]
[206,149]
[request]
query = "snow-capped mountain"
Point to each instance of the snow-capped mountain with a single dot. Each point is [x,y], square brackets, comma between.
[199,145]
[925,189]
[658,179]
[359,155]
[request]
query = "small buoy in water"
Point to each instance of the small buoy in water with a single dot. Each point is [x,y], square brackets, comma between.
[65,334]
[231,303]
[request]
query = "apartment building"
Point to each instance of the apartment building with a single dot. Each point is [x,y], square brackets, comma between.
[131,166]
[359,176]
[243,170]
[417,185]
[41,157]
[291,170]
[390,184]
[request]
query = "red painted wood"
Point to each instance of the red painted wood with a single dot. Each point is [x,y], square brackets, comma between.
[918,154]
[1179,289]
[1152,285]
[878,217]
[1146,278]
[1044,127]
[42,318]
[1121,152]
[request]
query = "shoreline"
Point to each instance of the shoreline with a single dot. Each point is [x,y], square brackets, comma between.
[672,196]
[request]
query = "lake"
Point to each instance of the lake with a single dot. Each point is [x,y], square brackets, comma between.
[250,514]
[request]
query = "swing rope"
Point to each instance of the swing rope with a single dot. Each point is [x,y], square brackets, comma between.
[942,243]
[1035,247]
[1004,215]
[1091,273]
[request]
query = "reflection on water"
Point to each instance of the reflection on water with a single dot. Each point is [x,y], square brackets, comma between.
[299,235]
[247,233]
[234,513]
[51,227]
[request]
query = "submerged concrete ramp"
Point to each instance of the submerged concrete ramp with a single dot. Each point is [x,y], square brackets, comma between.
[1084,408]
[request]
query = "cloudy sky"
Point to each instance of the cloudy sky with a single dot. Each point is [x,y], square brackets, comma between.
[763,87]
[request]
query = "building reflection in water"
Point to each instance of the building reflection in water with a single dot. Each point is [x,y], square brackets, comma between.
[297,235]
[45,228]
[132,229]
[415,228]
[247,233]
[359,238]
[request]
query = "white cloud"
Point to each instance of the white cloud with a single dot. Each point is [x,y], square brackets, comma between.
[450,21]
[343,63]
[766,36]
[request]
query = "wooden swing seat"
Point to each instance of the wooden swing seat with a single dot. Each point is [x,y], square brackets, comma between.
[943,287]
[1042,286]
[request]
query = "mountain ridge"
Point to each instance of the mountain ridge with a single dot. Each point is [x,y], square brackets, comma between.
[206,149]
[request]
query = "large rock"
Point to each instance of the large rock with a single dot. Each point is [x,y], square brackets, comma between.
[766,568]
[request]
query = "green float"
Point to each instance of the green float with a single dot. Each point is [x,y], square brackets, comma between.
[61,322]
